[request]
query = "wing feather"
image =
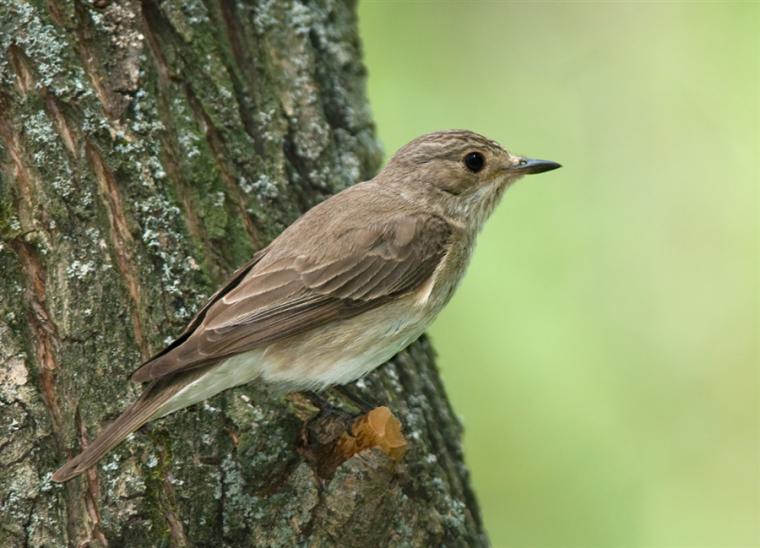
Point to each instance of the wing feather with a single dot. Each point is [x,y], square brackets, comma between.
[369,266]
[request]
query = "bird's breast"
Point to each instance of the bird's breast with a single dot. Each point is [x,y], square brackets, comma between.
[344,350]
[438,289]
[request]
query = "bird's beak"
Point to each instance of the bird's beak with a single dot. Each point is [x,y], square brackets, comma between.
[531,165]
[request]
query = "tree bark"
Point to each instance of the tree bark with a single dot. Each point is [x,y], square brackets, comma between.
[146,150]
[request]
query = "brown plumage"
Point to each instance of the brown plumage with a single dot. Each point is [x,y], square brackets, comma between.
[284,294]
[341,290]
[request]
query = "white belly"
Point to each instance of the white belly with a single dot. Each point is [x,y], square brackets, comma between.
[336,354]
[344,351]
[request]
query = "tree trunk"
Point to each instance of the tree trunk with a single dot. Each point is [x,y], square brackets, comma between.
[146,150]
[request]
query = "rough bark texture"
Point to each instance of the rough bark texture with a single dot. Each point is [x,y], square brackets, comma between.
[146,149]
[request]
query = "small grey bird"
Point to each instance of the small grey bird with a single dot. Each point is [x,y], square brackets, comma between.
[343,289]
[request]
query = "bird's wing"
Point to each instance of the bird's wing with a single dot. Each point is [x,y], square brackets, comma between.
[231,283]
[278,298]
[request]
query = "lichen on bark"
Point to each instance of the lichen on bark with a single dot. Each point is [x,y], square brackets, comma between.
[147,148]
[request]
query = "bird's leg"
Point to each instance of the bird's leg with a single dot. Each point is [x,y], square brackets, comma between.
[334,435]
[318,401]
[364,404]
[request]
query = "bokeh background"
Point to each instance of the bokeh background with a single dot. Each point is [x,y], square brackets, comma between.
[603,348]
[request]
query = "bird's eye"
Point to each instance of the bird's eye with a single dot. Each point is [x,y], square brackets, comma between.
[474,161]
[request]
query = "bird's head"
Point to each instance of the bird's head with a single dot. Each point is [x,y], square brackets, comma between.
[459,171]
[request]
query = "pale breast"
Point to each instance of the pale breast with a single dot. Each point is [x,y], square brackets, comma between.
[334,354]
[340,352]
[344,351]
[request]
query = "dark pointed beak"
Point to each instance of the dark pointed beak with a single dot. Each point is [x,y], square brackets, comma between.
[532,165]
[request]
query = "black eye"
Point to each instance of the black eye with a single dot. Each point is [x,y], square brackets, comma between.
[474,161]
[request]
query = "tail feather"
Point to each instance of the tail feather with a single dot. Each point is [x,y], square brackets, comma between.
[148,406]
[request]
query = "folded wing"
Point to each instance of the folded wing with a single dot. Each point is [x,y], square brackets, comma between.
[360,269]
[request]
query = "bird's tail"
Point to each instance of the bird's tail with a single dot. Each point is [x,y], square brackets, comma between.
[151,404]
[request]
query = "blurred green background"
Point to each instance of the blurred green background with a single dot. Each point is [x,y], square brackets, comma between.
[603,348]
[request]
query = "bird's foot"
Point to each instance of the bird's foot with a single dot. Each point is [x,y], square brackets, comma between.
[318,401]
[334,435]
[361,401]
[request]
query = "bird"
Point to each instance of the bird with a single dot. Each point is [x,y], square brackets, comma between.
[340,291]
